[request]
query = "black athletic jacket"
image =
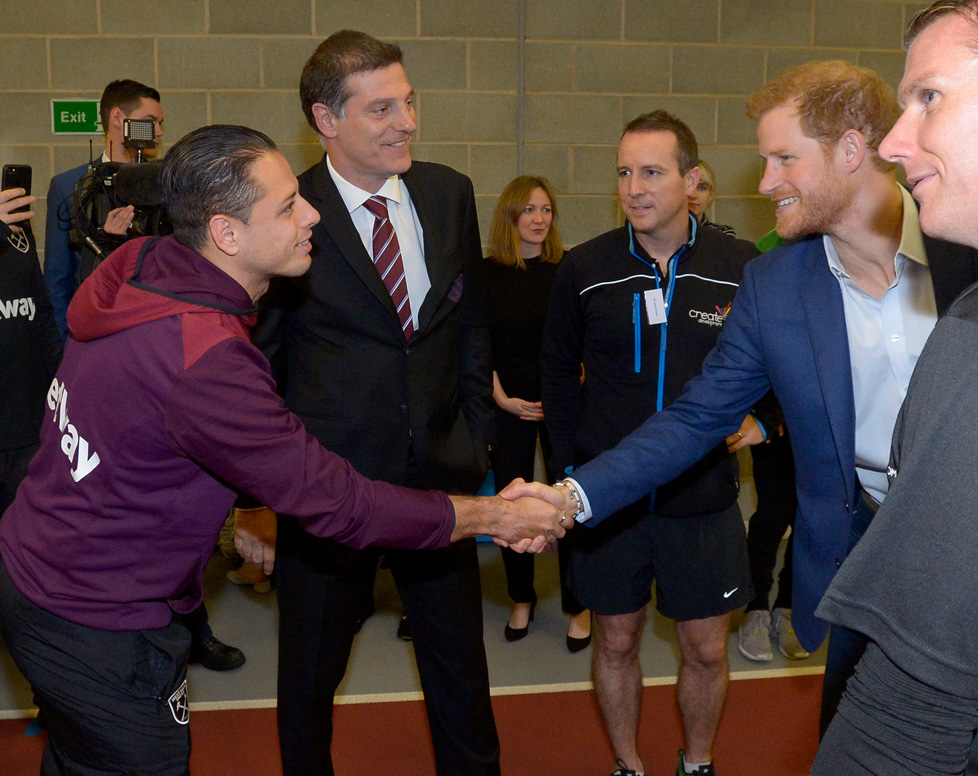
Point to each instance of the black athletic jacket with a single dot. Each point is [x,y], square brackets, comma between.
[598,317]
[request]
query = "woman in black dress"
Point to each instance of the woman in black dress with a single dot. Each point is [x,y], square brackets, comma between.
[524,251]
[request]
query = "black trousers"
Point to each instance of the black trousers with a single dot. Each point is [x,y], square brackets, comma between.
[777,502]
[513,456]
[321,590]
[114,702]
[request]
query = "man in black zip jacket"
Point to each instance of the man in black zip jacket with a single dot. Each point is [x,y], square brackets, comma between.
[640,307]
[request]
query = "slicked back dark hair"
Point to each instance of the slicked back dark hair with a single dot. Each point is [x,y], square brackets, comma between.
[687,151]
[126,95]
[206,173]
[342,54]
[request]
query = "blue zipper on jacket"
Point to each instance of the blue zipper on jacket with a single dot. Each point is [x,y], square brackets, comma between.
[637,308]
[637,326]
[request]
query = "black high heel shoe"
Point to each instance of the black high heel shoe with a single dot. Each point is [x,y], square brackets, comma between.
[575,644]
[515,634]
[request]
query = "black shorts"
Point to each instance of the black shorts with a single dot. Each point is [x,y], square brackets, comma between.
[113,701]
[699,564]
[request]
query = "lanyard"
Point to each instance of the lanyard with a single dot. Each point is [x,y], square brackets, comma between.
[667,299]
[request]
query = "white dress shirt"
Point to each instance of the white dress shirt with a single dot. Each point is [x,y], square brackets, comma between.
[404,219]
[885,340]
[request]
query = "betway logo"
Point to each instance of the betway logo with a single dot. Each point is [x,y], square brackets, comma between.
[72,444]
[11,308]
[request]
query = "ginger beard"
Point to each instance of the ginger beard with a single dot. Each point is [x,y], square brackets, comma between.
[817,209]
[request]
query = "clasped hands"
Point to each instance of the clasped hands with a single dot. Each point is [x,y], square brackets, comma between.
[536,501]
[525,516]
[521,408]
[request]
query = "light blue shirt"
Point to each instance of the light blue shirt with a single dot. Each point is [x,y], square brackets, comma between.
[885,340]
[404,219]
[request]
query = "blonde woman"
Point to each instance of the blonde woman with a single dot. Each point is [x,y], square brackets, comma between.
[524,251]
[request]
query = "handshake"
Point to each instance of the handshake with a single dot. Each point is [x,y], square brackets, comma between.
[524,516]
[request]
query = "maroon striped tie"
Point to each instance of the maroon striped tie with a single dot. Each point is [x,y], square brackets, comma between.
[387,259]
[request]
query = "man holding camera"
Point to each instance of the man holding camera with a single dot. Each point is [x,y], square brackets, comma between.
[66,261]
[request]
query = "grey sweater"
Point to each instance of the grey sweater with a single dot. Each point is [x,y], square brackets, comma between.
[911,584]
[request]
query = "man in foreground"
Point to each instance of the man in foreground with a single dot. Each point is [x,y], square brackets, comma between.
[162,410]
[834,323]
[909,586]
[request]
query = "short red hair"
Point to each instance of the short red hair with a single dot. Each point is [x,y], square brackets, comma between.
[833,97]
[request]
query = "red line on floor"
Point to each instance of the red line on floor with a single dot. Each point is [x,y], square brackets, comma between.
[769,726]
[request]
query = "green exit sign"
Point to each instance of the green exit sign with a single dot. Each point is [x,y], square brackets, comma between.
[75,117]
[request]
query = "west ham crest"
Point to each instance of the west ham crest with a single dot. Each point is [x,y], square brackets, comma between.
[180,704]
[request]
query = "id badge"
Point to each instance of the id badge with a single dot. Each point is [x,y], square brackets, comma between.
[655,306]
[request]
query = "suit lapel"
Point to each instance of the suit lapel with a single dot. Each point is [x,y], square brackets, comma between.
[440,270]
[825,316]
[339,226]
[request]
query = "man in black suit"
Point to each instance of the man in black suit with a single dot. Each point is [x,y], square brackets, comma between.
[400,384]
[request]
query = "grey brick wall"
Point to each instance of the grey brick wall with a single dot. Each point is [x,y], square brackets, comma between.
[590,65]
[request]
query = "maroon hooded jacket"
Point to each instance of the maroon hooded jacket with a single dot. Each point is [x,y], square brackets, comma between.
[162,409]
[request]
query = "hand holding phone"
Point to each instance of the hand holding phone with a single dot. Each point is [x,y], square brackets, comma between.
[17,176]
[15,199]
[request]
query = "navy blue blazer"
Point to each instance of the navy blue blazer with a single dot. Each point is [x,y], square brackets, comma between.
[60,259]
[786,331]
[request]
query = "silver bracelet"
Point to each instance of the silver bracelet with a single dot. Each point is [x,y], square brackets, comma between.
[579,504]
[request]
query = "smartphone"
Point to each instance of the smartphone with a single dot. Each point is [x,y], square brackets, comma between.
[17,176]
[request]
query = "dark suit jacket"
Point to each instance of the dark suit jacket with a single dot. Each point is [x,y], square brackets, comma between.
[342,362]
[786,331]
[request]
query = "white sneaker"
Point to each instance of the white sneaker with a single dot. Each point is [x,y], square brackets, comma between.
[783,631]
[755,636]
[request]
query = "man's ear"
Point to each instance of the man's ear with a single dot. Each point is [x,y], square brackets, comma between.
[852,145]
[116,117]
[224,234]
[325,120]
[692,180]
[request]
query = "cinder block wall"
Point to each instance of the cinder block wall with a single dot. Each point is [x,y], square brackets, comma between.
[588,67]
